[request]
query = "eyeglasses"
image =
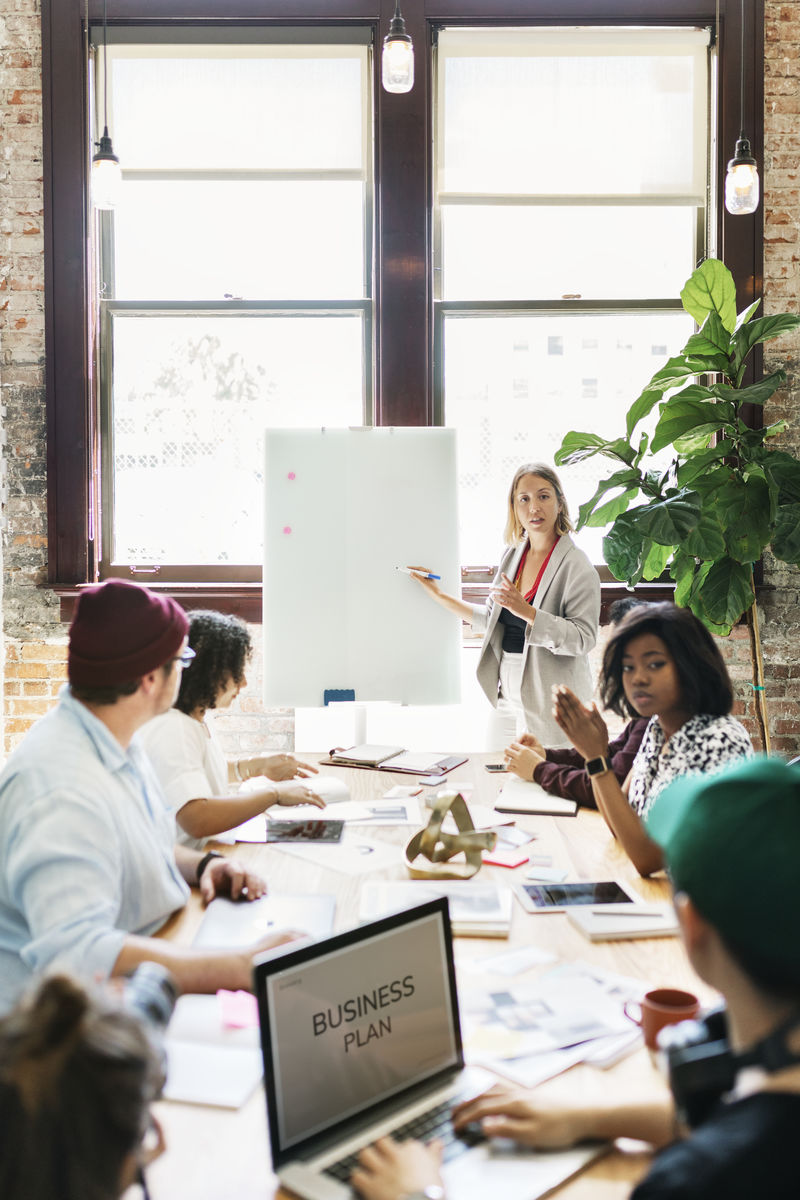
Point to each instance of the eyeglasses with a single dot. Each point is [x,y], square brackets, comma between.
[184,658]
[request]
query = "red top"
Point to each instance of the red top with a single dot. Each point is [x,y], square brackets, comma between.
[529,595]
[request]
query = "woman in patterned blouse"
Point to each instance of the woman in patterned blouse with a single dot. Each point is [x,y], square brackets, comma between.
[660,662]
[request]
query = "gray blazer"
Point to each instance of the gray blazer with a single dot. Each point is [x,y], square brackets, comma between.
[556,644]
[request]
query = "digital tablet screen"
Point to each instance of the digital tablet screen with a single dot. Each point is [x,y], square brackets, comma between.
[563,895]
[304,831]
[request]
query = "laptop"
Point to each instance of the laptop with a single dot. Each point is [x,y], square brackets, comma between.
[361,1037]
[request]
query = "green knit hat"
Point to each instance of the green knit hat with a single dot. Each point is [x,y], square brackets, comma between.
[732,842]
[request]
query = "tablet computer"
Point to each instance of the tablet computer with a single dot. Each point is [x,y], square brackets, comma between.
[555,897]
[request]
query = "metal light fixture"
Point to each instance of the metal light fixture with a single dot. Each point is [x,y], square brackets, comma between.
[741,182]
[106,171]
[397,65]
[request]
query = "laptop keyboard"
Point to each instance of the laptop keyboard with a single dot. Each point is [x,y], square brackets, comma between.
[434,1123]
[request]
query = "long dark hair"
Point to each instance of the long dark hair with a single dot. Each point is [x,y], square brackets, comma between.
[222,646]
[705,683]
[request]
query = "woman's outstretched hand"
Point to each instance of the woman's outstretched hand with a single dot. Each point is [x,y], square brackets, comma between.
[507,596]
[584,726]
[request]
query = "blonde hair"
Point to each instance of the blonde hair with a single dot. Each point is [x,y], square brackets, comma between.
[514,532]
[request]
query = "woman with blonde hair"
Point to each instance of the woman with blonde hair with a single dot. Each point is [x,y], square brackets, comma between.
[541,619]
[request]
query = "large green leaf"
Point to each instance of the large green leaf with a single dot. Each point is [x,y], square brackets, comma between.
[713,479]
[642,406]
[784,470]
[711,289]
[668,521]
[680,416]
[786,539]
[746,313]
[611,509]
[628,480]
[655,559]
[762,330]
[756,393]
[713,338]
[697,464]
[682,569]
[707,539]
[578,446]
[726,591]
[623,548]
[743,507]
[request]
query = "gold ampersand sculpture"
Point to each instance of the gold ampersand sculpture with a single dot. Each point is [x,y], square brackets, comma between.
[430,853]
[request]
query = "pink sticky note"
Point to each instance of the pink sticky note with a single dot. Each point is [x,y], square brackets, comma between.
[287,529]
[291,475]
[238,1010]
[505,858]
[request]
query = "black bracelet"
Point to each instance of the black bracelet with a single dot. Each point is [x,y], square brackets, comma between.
[205,860]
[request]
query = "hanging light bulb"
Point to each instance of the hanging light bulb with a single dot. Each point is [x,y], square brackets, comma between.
[741,181]
[106,171]
[397,67]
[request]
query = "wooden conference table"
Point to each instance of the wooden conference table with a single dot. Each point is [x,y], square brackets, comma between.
[216,1154]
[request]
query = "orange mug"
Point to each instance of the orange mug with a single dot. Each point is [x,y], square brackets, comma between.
[663,1006]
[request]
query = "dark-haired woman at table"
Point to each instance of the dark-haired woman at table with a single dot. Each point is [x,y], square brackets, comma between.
[661,663]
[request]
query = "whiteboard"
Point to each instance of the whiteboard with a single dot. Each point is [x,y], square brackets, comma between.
[343,509]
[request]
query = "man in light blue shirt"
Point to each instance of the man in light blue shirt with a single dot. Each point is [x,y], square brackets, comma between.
[89,869]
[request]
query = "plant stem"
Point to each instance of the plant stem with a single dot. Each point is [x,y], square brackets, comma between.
[758,673]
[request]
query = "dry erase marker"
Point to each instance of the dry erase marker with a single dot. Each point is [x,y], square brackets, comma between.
[419,574]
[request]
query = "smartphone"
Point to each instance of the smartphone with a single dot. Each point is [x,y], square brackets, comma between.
[494,766]
[304,831]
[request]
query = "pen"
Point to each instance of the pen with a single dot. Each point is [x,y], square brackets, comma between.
[421,574]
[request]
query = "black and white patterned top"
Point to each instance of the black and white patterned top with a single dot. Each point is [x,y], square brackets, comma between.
[702,745]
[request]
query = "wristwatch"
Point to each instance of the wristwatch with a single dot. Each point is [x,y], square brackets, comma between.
[205,860]
[597,766]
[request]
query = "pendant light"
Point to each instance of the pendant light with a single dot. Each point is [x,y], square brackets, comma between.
[397,67]
[741,182]
[106,171]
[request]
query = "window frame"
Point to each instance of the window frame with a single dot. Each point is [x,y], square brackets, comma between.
[403,366]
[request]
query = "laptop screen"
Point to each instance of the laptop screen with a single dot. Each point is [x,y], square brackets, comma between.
[355,1020]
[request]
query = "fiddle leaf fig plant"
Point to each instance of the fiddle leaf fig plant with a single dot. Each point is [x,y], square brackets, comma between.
[724,496]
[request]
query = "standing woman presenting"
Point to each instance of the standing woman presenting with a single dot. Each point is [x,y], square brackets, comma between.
[542,615]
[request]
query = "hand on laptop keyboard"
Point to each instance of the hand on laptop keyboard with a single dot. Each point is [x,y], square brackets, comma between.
[389,1169]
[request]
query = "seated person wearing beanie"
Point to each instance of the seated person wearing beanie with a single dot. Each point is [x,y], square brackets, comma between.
[89,869]
[562,771]
[731,844]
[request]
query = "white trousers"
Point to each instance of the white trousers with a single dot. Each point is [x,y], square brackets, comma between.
[507,721]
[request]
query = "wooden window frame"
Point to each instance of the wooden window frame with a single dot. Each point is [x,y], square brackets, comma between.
[403,291]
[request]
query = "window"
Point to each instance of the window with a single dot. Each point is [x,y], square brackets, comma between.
[457,335]
[235,285]
[549,233]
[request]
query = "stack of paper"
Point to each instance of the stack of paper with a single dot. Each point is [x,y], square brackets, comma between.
[476,909]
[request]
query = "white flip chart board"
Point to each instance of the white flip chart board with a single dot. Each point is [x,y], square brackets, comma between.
[344,508]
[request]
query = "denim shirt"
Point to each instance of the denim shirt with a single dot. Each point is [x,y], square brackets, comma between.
[86,850]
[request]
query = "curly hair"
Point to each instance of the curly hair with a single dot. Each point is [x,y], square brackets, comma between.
[222,648]
[705,683]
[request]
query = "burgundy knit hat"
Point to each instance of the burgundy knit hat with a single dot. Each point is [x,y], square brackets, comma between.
[120,632]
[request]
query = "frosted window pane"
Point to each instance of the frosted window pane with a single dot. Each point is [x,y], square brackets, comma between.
[583,125]
[512,402]
[192,397]
[246,112]
[257,240]
[547,253]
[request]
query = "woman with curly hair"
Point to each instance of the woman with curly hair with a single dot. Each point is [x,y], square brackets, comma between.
[189,763]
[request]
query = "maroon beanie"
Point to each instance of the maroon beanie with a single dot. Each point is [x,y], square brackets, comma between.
[120,632]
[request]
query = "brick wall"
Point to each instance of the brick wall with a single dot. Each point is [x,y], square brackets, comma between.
[33,634]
